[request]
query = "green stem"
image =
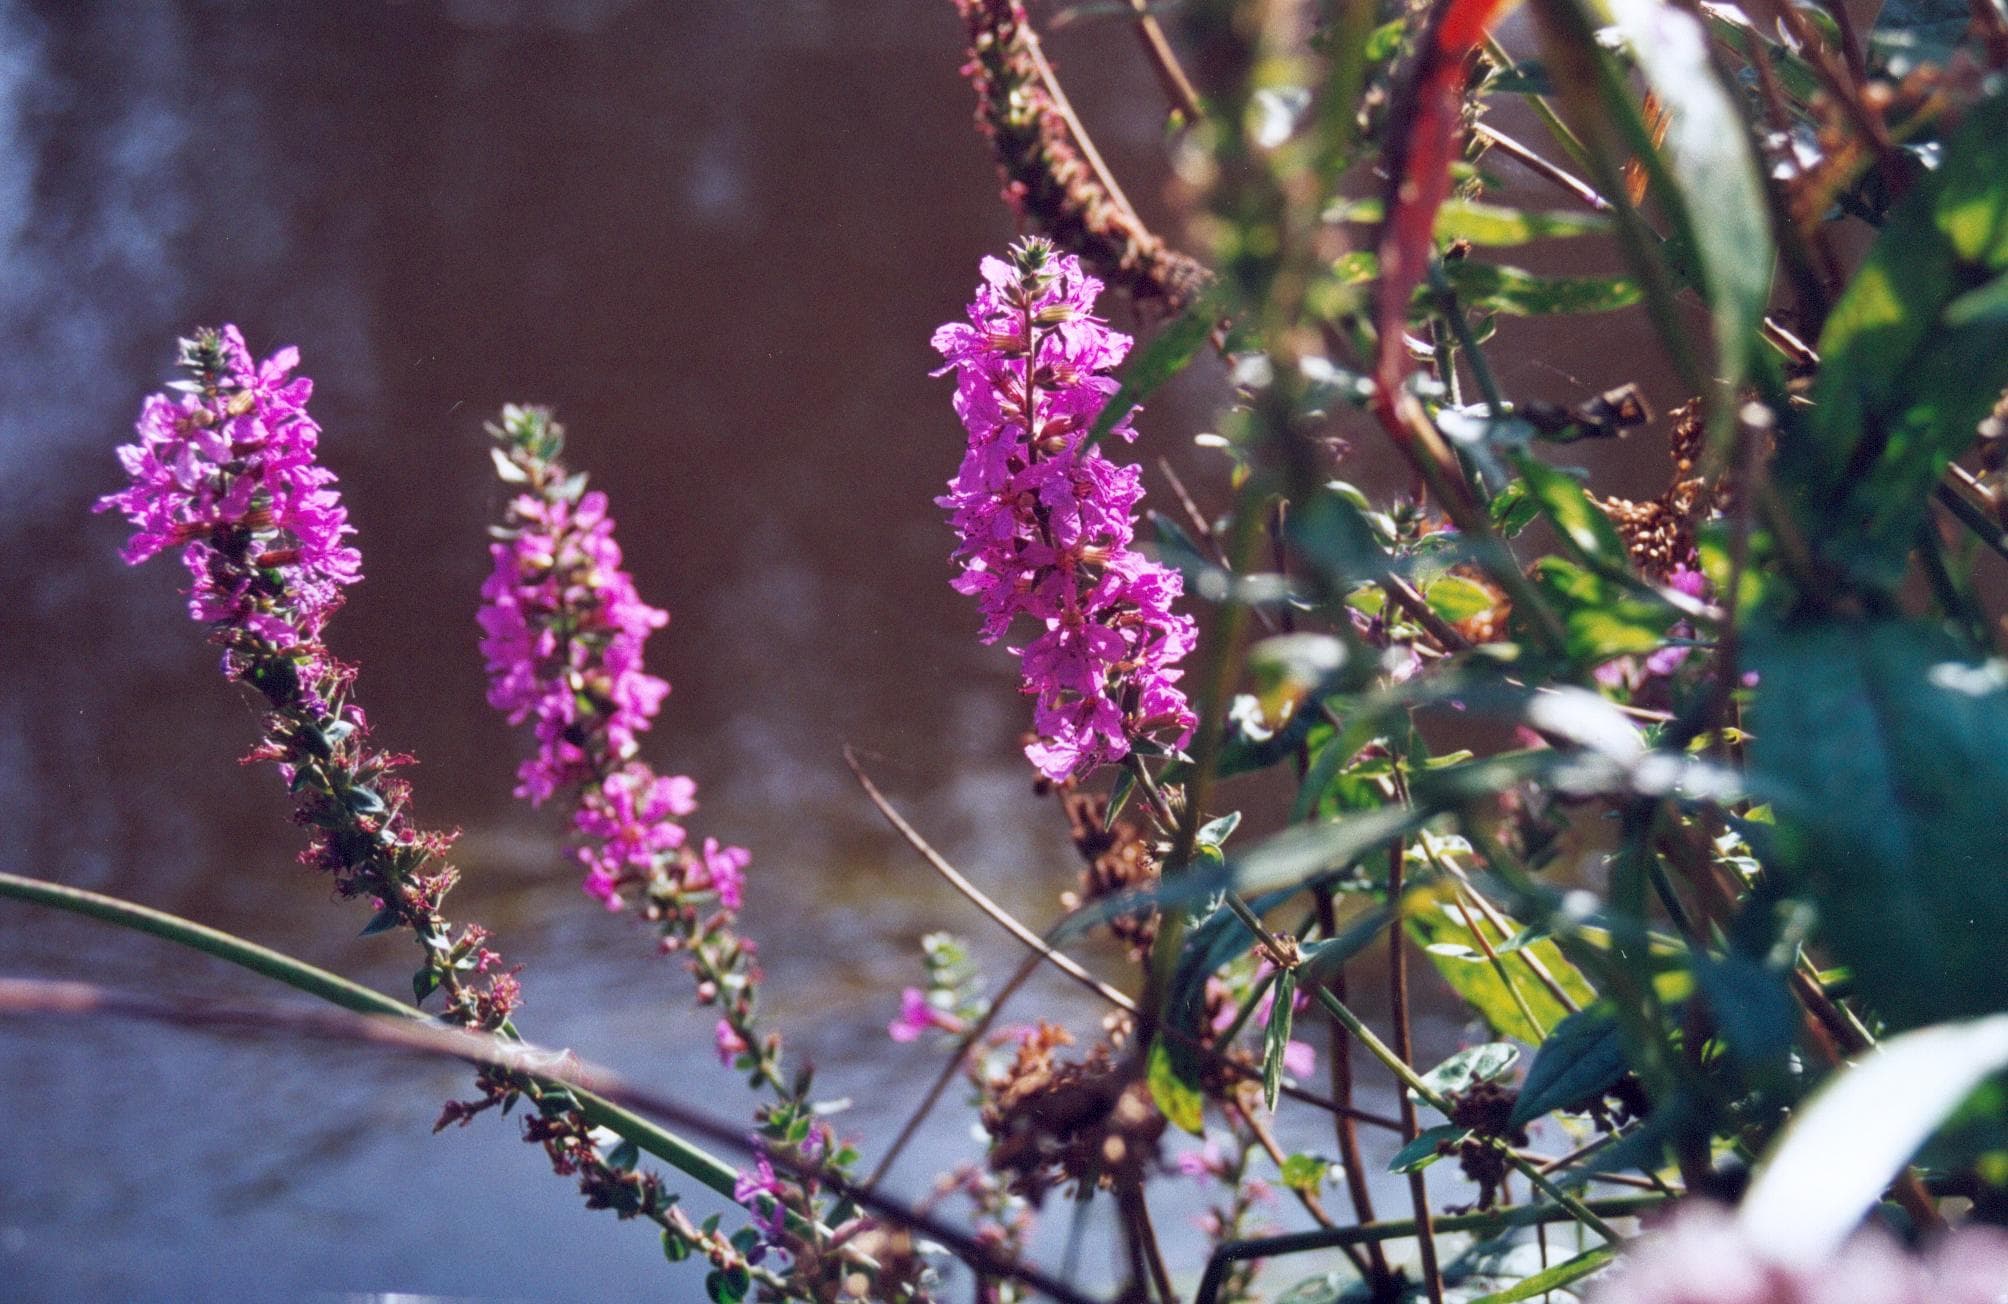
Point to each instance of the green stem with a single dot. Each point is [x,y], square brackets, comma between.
[658,1141]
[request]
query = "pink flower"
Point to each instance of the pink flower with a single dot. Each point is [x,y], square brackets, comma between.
[1300,1059]
[228,473]
[725,868]
[760,1191]
[1046,526]
[917,1015]
[1701,1256]
[562,632]
[730,1045]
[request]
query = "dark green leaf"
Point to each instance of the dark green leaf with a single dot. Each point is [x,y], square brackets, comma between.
[1581,1059]
[423,984]
[1168,353]
[1334,536]
[1429,1146]
[1902,386]
[1908,31]
[1755,1014]
[624,1156]
[382,921]
[1879,746]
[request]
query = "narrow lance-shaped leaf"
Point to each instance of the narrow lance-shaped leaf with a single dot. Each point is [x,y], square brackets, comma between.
[1167,354]
[1720,210]
[1844,1147]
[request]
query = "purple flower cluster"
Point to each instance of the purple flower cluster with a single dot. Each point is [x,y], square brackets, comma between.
[562,634]
[227,472]
[1046,525]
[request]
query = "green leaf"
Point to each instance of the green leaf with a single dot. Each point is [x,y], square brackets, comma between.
[1476,979]
[1214,833]
[624,1156]
[1482,224]
[1177,1099]
[1879,747]
[1902,384]
[1989,304]
[382,921]
[1490,224]
[1298,855]
[1287,668]
[727,1286]
[1488,287]
[1455,598]
[1333,535]
[1721,205]
[1588,531]
[1601,618]
[423,984]
[1276,1039]
[1844,1146]
[1562,1274]
[1168,353]
[1305,1173]
[1471,1065]
[1429,1146]
[674,1247]
[1581,1059]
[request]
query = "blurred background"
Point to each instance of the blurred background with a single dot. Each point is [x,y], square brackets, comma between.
[717,237]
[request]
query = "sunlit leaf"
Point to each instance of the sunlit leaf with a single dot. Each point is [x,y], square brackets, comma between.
[1708,150]
[1846,1144]
[1475,978]
[1177,1097]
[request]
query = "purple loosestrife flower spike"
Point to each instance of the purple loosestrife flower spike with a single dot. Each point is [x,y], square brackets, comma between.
[562,632]
[226,471]
[1046,526]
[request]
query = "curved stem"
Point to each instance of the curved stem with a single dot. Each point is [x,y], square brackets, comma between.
[688,1159]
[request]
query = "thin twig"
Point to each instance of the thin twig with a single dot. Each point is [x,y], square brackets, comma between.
[1339,1048]
[1404,1048]
[1540,166]
[968,1043]
[1065,963]
[1177,86]
[1065,109]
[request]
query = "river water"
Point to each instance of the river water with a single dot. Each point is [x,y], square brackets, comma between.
[717,236]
